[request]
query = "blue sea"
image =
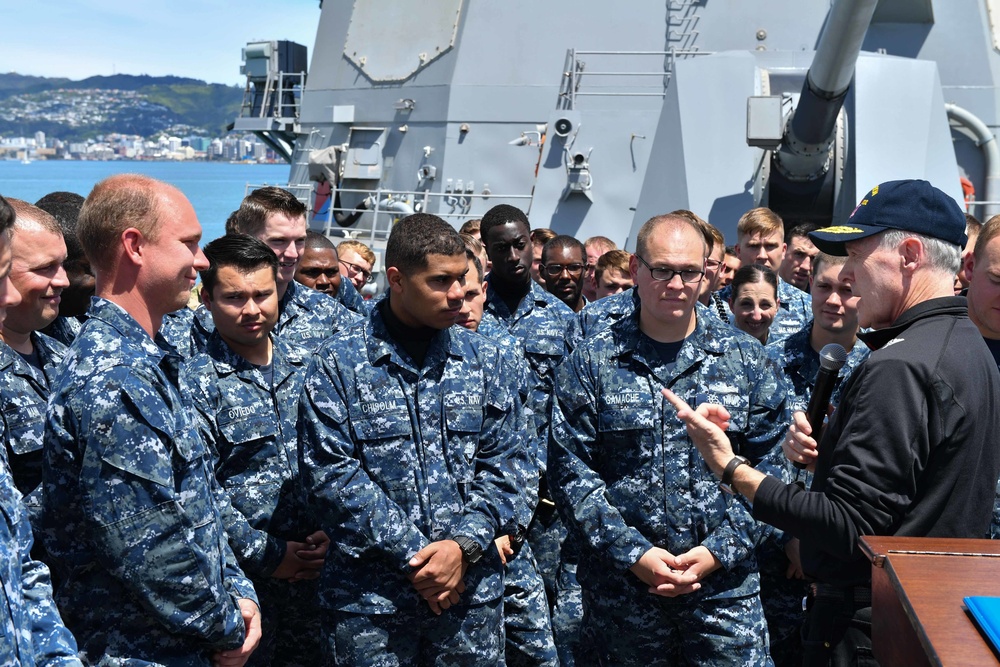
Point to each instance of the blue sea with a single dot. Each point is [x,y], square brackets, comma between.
[214,188]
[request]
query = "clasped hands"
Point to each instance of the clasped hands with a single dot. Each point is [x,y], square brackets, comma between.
[438,574]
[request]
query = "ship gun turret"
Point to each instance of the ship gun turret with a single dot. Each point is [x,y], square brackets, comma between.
[805,151]
[802,178]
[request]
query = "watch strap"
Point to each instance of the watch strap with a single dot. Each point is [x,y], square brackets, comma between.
[727,475]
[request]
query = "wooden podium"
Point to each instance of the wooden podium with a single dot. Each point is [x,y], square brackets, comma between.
[918,583]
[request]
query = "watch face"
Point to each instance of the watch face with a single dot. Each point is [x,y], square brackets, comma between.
[471,550]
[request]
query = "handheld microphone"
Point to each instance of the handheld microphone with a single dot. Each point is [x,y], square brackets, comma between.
[831,359]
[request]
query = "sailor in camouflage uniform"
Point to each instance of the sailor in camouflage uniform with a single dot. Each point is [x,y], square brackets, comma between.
[28,358]
[75,298]
[835,320]
[547,329]
[666,564]
[407,435]
[305,317]
[31,631]
[245,389]
[527,624]
[129,512]
[760,239]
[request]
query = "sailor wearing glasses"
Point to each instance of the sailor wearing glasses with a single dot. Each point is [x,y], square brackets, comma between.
[666,563]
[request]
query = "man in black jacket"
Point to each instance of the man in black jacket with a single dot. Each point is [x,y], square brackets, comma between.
[911,448]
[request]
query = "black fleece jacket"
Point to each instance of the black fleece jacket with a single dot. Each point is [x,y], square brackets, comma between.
[913,448]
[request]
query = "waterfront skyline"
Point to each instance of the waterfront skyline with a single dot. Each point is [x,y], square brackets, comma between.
[200,39]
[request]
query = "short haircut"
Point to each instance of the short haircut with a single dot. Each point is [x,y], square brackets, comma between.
[602,243]
[752,274]
[801,229]
[243,252]
[651,225]
[470,226]
[989,231]
[317,241]
[65,207]
[472,244]
[30,216]
[823,259]
[7,216]
[706,229]
[564,241]
[972,228]
[612,259]
[472,257]
[115,204]
[761,221]
[541,236]
[500,215]
[415,237]
[718,240]
[357,246]
[731,250]
[251,217]
[941,255]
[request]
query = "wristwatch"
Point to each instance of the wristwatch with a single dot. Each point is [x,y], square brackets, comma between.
[471,551]
[726,484]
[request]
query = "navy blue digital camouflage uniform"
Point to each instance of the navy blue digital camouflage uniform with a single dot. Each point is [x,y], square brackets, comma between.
[64,329]
[177,328]
[548,329]
[129,513]
[528,637]
[395,457]
[31,630]
[249,426]
[627,478]
[24,392]
[599,315]
[351,299]
[305,316]
[781,596]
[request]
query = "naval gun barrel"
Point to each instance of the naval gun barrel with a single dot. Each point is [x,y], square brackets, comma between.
[809,134]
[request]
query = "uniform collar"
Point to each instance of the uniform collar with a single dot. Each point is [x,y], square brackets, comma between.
[228,362]
[382,346]
[536,296]
[119,319]
[955,306]
[709,337]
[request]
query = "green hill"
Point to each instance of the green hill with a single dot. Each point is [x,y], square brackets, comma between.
[123,103]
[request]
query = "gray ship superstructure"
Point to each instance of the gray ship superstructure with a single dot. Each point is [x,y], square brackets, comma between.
[593,116]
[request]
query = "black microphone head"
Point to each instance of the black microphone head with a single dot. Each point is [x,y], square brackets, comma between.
[832,357]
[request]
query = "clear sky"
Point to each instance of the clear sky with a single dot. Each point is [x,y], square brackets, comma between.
[200,39]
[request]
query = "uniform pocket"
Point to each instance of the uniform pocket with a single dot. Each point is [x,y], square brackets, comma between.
[385,443]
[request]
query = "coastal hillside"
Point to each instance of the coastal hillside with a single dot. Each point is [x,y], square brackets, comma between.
[122,103]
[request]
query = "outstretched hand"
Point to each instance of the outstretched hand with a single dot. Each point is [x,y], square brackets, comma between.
[706,426]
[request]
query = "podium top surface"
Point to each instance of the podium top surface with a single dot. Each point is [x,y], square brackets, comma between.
[931,576]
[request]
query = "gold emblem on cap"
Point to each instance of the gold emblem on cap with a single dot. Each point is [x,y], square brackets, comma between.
[841,229]
[874,191]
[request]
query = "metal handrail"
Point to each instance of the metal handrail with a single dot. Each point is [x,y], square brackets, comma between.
[303,192]
[577,71]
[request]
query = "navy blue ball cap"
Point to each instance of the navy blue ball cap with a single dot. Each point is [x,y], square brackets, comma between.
[911,206]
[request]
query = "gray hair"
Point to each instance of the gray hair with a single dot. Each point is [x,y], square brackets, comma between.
[941,255]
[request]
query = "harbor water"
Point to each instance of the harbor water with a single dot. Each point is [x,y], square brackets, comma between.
[214,188]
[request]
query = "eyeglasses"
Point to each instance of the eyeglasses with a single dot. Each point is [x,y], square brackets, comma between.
[354,268]
[666,275]
[712,263]
[555,270]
